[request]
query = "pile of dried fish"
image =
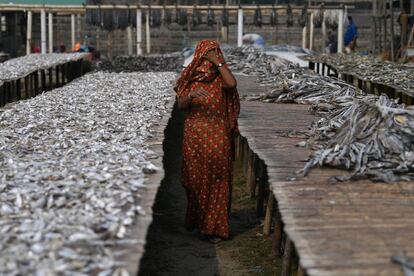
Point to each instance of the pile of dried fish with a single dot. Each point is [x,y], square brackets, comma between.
[271,70]
[72,164]
[371,135]
[287,82]
[22,66]
[375,139]
[372,69]
[154,63]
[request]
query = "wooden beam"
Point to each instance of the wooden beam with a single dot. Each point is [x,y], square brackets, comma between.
[82,8]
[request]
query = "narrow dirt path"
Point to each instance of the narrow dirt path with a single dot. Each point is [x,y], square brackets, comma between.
[171,250]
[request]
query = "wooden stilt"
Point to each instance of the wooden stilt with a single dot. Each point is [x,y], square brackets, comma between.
[301,271]
[287,258]
[252,183]
[261,190]
[269,215]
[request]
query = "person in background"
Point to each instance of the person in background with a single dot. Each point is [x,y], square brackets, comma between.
[77,47]
[350,36]
[332,43]
[36,50]
[207,91]
[62,48]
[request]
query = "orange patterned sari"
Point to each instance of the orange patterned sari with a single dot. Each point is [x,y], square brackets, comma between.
[209,127]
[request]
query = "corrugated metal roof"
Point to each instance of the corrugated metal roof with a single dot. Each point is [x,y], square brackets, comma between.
[41,2]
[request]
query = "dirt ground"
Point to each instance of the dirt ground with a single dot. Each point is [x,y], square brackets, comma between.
[171,250]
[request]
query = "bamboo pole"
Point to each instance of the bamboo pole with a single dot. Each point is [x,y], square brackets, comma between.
[341,31]
[148,33]
[29,33]
[50,32]
[43,31]
[139,32]
[239,27]
[304,35]
[392,30]
[72,21]
[312,29]
[129,35]
[323,33]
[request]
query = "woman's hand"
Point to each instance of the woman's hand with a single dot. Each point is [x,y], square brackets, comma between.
[199,93]
[185,102]
[213,57]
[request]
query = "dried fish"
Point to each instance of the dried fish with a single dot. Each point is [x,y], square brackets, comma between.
[373,138]
[72,164]
[368,134]
[23,66]
[150,63]
[370,68]
[406,263]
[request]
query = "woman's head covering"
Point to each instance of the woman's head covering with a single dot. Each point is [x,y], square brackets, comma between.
[203,47]
[201,70]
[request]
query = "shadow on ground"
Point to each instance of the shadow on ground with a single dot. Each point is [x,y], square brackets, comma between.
[171,250]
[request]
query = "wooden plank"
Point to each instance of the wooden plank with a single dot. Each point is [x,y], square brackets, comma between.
[350,228]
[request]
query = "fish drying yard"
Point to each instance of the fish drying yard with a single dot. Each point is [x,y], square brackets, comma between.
[91,138]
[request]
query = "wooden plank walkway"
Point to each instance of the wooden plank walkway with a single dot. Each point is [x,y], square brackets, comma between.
[350,228]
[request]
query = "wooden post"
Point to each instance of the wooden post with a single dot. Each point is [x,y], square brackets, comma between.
[385,33]
[148,32]
[341,31]
[18,90]
[50,32]
[50,86]
[36,82]
[57,84]
[374,27]
[392,30]
[73,30]
[43,79]
[277,232]
[323,33]
[29,33]
[269,215]
[261,190]
[110,44]
[43,31]
[139,32]
[412,7]
[250,174]
[252,183]
[304,35]
[312,29]
[301,271]
[239,27]
[79,27]
[404,27]
[245,156]
[287,258]
[129,35]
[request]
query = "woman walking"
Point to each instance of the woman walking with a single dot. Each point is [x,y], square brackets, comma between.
[206,90]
